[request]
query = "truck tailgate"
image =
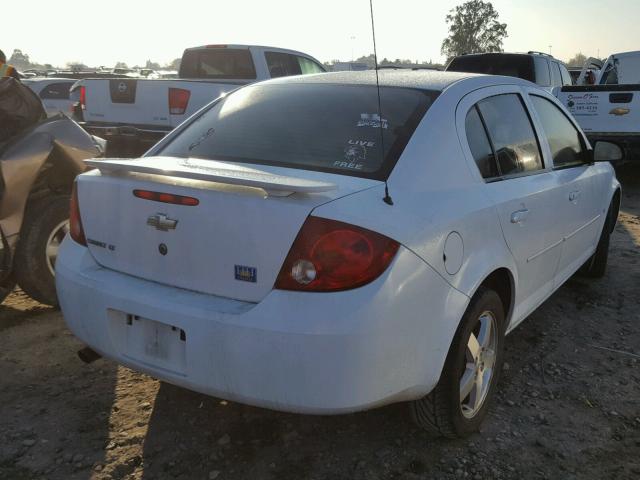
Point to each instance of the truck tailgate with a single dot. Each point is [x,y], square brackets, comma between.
[611,109]
[146,103]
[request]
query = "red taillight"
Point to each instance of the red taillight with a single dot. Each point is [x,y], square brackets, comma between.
[75,222]
[166,198]
[178,100]
[83,98]
[329,256]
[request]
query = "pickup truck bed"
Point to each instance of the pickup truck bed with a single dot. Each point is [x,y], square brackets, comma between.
[136,113]
[133,113]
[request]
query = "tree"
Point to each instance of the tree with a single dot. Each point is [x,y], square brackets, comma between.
[577,60]
[152,65]
[19,60]
[174,64]
[473,28]
[76,66]
[121,65]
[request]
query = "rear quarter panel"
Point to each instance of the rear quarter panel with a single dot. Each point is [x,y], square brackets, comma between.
[435,193]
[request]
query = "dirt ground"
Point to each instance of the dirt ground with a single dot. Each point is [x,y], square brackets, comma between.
[568,406]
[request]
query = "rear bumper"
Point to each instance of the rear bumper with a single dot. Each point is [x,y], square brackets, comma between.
[300,352]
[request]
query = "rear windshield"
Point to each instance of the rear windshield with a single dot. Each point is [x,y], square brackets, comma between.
[323,127]
[520,66]
[222,63]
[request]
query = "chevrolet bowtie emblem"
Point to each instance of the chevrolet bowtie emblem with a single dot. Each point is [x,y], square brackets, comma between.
[161,222]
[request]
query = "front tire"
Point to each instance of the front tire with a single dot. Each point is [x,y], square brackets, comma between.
[45,225]
[459,403]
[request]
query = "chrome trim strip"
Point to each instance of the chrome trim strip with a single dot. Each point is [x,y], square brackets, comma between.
[582,227]
[545,250]
[564,239]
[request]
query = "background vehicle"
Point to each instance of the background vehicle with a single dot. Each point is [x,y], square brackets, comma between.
[38,168]
[39,159]
[54,93]
[610,109]
[384,253]
[149,73]
[135,113]
[536,67]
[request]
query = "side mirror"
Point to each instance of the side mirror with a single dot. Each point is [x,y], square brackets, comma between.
[607,152]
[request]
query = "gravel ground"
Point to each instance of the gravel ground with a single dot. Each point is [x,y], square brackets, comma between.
[568,406]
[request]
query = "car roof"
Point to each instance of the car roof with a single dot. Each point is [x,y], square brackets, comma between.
[421,79]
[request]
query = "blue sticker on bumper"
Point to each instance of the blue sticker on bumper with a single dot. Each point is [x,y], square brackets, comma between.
[246,274]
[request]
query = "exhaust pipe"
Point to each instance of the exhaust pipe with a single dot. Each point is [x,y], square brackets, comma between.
[88,355]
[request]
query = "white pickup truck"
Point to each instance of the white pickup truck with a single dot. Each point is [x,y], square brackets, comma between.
[134,113]
[610,108]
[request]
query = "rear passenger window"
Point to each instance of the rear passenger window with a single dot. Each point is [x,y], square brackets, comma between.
[282,64]
[564,139]
[511,134]
[309,66]
[556,79]
[285,64]
[542,71]
[479,145]
[566,76]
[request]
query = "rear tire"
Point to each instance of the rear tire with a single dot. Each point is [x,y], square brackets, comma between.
[451,409]
[45,224]
[596,266]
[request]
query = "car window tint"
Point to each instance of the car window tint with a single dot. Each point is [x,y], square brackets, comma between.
[556,79]
[512,134]
[610,76]
[229,63]
[513,65]
[324,127]
[308,66]
[564,139]
[479,145]
[282,64]
[542,71]
[56,91]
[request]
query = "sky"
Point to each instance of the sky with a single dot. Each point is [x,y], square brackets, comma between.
[133,31]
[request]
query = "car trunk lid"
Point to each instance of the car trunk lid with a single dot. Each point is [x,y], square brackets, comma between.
[231,244]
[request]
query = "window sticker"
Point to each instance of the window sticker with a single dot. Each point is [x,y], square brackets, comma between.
[355,154]
[372,120]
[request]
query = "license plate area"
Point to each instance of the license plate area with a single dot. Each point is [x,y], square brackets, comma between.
[156,344]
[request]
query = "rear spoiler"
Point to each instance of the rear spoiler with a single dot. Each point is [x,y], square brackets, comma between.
[212,171]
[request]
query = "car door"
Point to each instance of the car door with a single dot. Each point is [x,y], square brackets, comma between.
[580,208]
[503,145]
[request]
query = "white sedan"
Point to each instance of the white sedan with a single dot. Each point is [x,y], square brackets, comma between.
[314,244]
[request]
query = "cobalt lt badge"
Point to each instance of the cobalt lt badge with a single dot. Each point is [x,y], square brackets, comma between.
[246,274]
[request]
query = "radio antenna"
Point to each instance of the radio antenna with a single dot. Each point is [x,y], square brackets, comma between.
[387,198]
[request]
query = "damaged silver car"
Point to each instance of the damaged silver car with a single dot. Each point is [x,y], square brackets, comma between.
[39,159]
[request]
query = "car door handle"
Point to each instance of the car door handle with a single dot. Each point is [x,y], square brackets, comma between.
[573,196]
[519,215]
